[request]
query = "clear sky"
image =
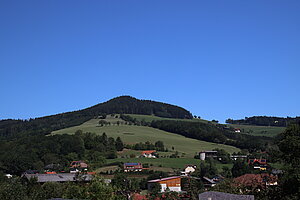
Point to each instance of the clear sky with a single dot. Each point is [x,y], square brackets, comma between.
[218,59]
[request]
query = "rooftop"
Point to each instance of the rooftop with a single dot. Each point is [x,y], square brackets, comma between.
[163,179]
[224,196]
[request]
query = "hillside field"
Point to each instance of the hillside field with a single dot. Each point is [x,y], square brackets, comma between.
[269,131]
[131,134]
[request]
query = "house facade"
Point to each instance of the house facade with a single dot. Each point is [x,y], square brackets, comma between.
[188,170]
[170,183]
[132,167]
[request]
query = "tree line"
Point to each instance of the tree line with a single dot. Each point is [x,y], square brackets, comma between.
[212,133]
[35,152]
[265,121]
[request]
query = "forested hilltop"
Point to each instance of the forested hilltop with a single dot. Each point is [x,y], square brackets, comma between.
[265,121]
[124,105]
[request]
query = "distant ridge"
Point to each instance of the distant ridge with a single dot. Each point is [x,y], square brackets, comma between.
[10,128]
[131,105]
[265,121]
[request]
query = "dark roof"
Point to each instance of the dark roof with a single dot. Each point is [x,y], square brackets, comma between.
[64,177]
[224,196]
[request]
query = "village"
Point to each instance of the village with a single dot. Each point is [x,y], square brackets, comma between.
[262,176]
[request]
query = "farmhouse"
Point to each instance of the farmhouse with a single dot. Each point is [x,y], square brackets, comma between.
[132,167]
[258,163]
[172,183]
[149,154]
[237,130]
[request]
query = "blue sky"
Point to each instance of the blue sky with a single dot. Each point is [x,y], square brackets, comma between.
[218,59]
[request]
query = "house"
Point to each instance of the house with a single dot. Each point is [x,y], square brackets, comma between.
[258,163]
[132,167]
[211,195]
[237,130]
[171,183]
[63,177]
[208,154]
[188,170]
[78,164]
[256,180]
[148,154]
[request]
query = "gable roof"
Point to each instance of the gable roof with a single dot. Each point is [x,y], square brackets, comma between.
[255,180]
[148,152]
[224,196]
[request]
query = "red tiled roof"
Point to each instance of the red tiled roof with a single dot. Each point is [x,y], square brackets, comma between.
[138,197]
[148,152]
[255,179]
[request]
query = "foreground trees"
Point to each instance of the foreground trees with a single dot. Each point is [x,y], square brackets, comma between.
[289,146]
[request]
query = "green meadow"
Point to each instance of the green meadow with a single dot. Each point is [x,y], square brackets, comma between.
[269,131]
[131,134]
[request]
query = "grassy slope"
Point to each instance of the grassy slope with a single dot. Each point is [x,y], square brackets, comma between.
[133,134]
[149,118]
[269,131]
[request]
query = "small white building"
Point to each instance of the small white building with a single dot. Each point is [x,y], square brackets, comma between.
[188,170]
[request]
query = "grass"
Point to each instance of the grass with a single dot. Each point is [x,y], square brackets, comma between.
[166,164]
[174,163]
[131,134]
[269,131]
[149,118]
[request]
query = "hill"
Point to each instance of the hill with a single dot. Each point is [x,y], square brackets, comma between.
[10,129]
[132,134]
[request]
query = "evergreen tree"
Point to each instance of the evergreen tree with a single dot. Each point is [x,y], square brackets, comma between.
[119,144]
